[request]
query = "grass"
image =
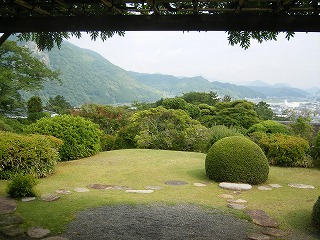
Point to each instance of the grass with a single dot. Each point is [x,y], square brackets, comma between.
[139,168]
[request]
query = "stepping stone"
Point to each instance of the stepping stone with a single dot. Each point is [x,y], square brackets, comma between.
[12,230]
[99,186]
[261,218]
[175,183]
[275,185]
[274,232]
[303,186]
[239,201]
[235,186]
[55,238]
[63,191]
[49,197]
[82,190]
[264,188]
[139,191]
[236,206]
[258,236]
[153,187]
[28,199]
[37,232]
[7,220]
[7,205]
[199,184]
[227,196]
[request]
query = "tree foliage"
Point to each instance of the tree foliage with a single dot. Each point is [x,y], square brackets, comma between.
[197,98]
[19,70]
[263,110]
[58,104]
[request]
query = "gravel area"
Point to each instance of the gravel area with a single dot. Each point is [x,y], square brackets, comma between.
[156,222]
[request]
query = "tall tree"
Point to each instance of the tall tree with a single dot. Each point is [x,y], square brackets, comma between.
[19,70]
[263,110]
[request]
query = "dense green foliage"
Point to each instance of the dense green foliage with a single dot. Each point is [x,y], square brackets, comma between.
[180,103]
[236,159]
[21,186]
[270,127]
[35,154]
[301,127]
[315,217]
[264,111]
[220,131]
[12,125]
[58,104]
[161,128]
[316,150]
[35,109]
[286,150]
[197,98]
[81,137]
[19,70]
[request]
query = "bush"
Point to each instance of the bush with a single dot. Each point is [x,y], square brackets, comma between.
[108,142]
[36,154]
[315,217]
[285,150]
[270,127]
[316,150]
[21,186]
[236,159]
[81,137]
[220,131]
[11,125]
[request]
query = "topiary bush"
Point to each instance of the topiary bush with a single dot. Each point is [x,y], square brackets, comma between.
[315,217]
[81,137]
[236,159]
[21,186]
[285,150]
[35,154]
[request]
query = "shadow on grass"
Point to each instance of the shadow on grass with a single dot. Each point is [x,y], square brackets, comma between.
[199,174]
[301,219]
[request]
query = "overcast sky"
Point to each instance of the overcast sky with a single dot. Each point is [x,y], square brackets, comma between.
[208,54]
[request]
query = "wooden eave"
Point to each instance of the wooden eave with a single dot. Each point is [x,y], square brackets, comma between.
[152,15]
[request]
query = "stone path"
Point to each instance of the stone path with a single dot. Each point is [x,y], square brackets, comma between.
[10,224]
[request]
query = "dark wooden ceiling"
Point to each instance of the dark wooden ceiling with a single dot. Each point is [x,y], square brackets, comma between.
[147,15]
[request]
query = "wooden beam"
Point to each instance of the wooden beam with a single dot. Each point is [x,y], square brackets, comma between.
[4,37]
[30,7]
[110,5]
[248,22]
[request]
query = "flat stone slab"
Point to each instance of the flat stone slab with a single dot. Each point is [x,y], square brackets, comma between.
[299,185]
[12,230]
[7,205]
[258,236]
[38,232]
[63,191]
[261,218]
[28,199]
[153,187]
[275,185]
[237,206]
[274,232]
[200,184]
[99,186]
[50,197]
[139,191]
[265,188]
[10,219]
[226,196]
[175,183]
[82,190]
[235,186]
[238,201]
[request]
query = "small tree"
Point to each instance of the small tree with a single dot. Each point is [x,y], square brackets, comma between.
[58,104]
[263,110]
[35,109]
[301,126]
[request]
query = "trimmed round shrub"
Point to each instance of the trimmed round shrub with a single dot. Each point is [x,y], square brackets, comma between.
[236,159]
[315,217]
[81,137]
[21,186]
[21,154]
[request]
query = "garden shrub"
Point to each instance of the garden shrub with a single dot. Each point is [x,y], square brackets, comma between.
[34,154]
[220,131]
[11,125]
[316,150]
[270,127]
[81,137]
[286,150]
[315,216]
[160,128]
[108,142]
[21,186]
[236,159]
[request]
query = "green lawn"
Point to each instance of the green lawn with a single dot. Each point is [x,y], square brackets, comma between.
[139,168]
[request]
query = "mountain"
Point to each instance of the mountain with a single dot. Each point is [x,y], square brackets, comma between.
[175,86]
[87,77]
[280,92]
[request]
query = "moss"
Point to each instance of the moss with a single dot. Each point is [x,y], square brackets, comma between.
[237,159]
